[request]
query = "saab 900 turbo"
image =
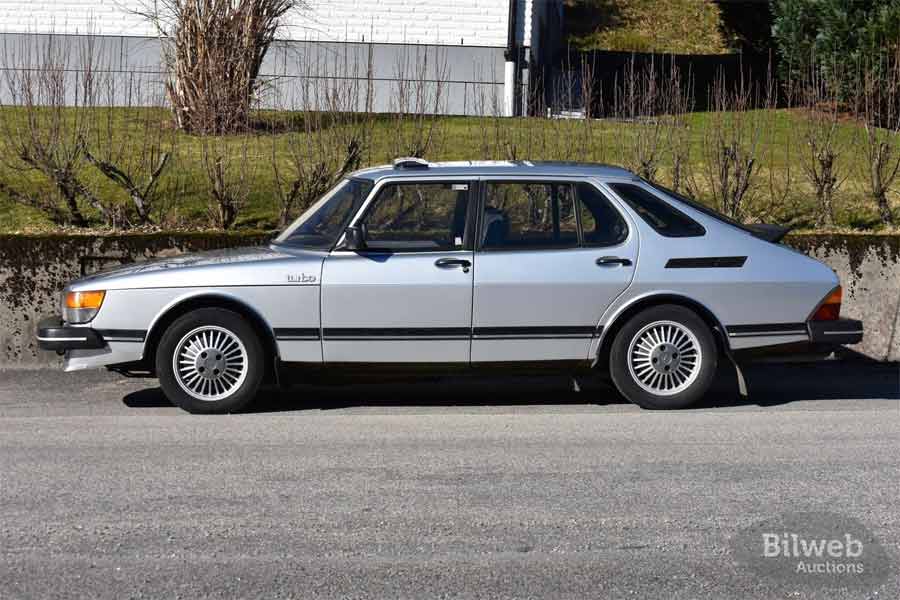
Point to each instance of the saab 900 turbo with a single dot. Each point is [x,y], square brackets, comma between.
[476,267]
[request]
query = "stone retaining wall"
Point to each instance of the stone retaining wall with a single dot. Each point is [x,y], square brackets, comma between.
[34,268]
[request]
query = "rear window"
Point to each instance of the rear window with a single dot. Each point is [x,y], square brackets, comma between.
[659,214]
[701,207]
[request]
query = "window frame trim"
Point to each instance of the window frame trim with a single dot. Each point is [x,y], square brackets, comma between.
[572,180]
[638,183]
[380,184]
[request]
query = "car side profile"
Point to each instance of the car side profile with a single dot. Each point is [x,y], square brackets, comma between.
[462,267]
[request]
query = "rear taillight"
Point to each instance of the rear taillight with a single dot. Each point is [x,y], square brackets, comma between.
[830,309]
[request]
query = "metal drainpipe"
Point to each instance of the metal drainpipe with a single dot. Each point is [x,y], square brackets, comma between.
[512,58]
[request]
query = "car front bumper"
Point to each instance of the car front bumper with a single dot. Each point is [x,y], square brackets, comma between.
[53,334]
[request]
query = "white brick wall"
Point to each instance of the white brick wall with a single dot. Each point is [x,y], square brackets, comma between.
[103,17]
[466,22]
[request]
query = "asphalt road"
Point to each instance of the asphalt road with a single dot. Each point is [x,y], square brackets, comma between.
[514,488]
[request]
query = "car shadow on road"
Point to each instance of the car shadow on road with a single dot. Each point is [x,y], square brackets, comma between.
[768,385]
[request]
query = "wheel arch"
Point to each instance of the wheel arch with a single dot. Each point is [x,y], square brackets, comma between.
[640,304]
[182,306]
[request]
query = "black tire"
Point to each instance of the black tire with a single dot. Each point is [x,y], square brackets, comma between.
[245,374]
[660,362]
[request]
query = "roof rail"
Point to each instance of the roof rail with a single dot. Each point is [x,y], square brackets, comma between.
[410,162]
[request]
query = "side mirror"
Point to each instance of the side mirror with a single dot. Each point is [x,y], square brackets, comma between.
[354,239]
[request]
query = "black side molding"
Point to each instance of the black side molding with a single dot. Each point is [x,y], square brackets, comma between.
[292,333]
[536,332]
[766,329]
[437,333]
[122,335]
[396,333]
[707,262]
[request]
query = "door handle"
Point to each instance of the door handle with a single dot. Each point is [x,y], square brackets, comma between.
[613,260]
[453,263]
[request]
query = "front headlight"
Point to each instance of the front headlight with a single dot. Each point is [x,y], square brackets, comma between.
[81,307]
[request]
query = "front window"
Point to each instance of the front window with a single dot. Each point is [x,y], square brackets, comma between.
[323,223]
[417,217]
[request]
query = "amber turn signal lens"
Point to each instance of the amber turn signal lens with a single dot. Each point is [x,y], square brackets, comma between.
[830,309]
[84,299]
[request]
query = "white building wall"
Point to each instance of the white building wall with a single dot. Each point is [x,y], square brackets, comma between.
[446,22]
[101,17]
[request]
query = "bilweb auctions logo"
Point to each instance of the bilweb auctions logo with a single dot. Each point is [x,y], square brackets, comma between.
[813,549]
[816,555]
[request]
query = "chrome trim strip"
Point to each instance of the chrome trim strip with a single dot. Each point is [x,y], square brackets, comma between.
[769,333]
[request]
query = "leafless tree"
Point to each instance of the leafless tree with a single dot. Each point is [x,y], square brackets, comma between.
[213,51]
[51,91]
[335,128]
[130,146]
[877,105]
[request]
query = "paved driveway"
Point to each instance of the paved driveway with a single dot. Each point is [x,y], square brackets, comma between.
[515,488]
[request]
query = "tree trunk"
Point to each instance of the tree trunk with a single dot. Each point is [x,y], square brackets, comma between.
[884,207]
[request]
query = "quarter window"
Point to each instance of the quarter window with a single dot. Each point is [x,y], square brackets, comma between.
[419,217]
[659,214]
[601,223]
[526,215]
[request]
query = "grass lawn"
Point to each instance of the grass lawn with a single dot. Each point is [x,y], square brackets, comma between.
[676,26]
[184,189]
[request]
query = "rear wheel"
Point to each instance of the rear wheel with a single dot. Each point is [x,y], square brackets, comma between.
[210,361]
[664,358]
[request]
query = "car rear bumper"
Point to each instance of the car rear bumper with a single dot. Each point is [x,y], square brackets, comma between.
[53,334]
[824,339]
[840,332]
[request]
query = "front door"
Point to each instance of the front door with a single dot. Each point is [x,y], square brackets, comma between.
[552,256]
[406,298]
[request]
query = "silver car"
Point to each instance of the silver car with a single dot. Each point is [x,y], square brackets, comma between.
[441,267]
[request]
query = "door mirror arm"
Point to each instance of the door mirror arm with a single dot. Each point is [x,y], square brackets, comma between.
[354,239]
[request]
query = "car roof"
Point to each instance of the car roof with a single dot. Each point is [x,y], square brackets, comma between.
[494,168]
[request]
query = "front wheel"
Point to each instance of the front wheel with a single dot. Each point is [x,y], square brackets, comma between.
[664,358]
[210,361]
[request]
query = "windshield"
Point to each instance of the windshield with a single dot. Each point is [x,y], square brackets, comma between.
[324,222]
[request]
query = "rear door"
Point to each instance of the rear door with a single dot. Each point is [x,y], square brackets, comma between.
[407,298]
[551,255]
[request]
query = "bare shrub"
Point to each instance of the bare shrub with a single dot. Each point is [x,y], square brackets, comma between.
[641,101]
[489,129]
[418,97]
[877,105]
[732,144]
[821,157]
[50,93]
[335,129]
[130,145]
[213,50]
[229,164]
[679,105]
